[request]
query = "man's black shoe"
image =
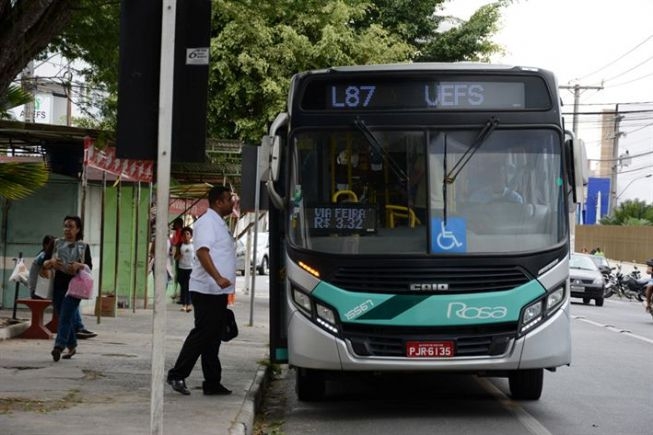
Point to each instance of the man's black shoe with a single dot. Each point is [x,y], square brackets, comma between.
[220,390]
[85,333]
[179,386]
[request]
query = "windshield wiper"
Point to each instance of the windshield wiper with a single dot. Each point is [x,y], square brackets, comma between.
[450,177]
[373,141]
[480,139]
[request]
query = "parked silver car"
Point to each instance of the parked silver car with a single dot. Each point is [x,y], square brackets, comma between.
[586,279]
[262,263]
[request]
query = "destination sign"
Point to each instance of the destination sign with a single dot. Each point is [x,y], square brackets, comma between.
[344,218]
[447,94]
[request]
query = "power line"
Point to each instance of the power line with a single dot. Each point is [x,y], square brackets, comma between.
[612,104]
[639,128]
[617,59]
[635,170]
[629,70]
[630,81]
[609,112]
[620,158]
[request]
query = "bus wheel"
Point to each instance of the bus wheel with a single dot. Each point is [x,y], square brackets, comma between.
[309,384]
[526,384]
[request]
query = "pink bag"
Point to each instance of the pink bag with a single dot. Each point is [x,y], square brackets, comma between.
[81,286]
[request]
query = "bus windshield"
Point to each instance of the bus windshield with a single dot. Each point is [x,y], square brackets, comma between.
[361,191]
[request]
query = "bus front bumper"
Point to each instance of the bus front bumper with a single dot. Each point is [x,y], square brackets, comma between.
[547,346]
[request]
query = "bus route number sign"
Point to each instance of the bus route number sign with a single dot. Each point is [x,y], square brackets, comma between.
[342,218]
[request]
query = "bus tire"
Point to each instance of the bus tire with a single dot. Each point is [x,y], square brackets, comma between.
[310,384]
[526,384]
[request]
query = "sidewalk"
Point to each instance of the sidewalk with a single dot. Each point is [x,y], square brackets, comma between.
[105,387]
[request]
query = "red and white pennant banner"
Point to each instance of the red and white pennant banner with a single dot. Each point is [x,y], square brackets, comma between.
[106,160]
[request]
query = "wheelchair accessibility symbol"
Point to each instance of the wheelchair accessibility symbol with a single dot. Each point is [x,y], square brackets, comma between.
[451,237]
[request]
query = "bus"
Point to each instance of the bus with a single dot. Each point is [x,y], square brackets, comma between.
[420,222]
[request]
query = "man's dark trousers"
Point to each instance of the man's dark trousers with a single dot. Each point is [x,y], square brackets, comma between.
[203,340]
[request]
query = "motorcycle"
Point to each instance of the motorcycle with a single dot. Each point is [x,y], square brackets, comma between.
[629,286]
[610,281]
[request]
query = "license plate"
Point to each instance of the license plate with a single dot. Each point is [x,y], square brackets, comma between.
[431,349]
[577,288]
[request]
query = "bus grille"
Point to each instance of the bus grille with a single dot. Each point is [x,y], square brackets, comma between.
[391,342]
[397,279]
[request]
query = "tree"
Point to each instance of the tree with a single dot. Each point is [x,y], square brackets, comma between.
[466,40]
[631,212]
[257,49]
[436,37]
[18,180]
[26,29]
[13,96]
[257,46]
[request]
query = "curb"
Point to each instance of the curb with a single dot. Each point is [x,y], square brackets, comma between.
[15,330]
[244,422]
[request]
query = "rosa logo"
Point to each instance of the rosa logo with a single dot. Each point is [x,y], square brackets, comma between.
[467,312]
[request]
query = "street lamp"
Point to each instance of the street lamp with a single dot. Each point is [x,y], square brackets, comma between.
[631,182]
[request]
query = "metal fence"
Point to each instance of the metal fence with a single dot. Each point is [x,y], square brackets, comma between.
[623,243]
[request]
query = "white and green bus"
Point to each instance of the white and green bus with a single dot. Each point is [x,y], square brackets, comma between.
[420,222]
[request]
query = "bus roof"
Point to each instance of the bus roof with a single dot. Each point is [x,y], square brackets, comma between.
[427,66]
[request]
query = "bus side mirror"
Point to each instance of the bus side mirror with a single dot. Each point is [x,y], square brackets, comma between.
[275,157]
[577,166]
[269,159]
[272,142]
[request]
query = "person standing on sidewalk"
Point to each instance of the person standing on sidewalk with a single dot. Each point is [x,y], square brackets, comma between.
[185,258]
[69,256]
[212,279]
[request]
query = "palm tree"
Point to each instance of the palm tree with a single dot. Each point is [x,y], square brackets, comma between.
[19,179]
[14,96]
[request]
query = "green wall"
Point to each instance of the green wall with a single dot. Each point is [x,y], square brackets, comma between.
[125,220]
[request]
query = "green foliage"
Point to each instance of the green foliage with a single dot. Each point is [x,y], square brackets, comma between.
[257,46]
[19,180]
[466,41]
[253,57]
[14,96]
[631,212]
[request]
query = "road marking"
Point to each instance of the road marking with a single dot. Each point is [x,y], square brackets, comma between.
[528,421]
[613,329]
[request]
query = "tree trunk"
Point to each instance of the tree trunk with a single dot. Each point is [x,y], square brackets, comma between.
[26,29]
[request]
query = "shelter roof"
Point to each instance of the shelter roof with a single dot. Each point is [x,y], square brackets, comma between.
[32,139]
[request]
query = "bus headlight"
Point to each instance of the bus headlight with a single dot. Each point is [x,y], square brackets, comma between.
[302,300]
[531,316]
[554,299]
[320,314]
[326,318]
[541,309]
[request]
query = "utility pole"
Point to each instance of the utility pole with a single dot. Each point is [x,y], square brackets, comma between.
[28,82]
[616,160]
[576,90]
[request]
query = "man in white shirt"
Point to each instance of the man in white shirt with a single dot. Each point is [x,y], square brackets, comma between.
[212,279]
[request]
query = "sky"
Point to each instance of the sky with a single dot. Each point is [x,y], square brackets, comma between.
[590,43]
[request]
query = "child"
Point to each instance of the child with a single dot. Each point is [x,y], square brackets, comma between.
[185,257]
[35,270]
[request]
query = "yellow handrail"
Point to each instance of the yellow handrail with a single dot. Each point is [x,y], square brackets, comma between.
[400,211]
[351,194]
